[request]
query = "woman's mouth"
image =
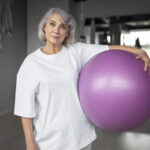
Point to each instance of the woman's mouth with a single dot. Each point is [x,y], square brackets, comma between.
[55,37]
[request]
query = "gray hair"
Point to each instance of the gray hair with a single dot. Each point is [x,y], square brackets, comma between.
[67,18]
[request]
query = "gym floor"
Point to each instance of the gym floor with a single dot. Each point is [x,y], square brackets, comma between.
[11,133]
[12,136]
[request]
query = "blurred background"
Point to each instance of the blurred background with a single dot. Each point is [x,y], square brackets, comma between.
[98,21]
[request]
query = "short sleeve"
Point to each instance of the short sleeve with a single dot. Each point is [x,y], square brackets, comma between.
[26,87]
[87,51]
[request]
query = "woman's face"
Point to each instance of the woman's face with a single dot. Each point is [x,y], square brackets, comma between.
[56,29]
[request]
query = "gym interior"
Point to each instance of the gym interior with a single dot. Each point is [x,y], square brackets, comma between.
[111,22]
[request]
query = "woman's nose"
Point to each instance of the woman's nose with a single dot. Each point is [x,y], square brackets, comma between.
[56,30]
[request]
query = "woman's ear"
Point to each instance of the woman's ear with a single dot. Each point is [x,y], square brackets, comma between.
[44,28]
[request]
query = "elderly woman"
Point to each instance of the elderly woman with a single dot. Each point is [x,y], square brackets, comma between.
[46,90]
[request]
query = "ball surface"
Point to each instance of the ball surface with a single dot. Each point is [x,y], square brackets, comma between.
[114,90]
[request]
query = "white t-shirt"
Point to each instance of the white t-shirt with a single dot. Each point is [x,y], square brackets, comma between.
[46,91]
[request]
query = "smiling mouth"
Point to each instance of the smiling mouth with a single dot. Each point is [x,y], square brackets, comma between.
[56,37]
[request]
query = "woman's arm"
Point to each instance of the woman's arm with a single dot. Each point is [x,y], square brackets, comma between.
[140,54]
[28,132]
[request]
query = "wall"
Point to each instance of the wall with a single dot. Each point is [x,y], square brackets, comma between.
[135,139]
[11,55]
[106,8]
[35,11]
[103,8]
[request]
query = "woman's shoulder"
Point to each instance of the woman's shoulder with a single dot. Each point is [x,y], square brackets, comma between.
[77,44]
[27,60]
[28,63]
[30,57]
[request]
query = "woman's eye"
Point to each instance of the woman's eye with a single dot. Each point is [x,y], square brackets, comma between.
[63,26]
[51,23]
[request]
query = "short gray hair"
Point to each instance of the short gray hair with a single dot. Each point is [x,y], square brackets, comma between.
[68,18]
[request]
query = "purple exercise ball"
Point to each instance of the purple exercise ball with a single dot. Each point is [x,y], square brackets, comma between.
[114,91]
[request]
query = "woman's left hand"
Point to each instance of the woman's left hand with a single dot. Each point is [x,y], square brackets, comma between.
[143,56]
[140,54]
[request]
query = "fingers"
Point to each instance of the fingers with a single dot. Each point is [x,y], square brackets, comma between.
[138,57]
[146,61]
[146,66]
[149,67]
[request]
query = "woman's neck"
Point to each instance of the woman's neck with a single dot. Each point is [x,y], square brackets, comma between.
[51,48]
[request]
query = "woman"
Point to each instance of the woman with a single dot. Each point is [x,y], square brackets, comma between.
[46,91]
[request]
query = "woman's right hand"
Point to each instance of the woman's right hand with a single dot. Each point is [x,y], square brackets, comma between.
[32,147]
[28,131]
